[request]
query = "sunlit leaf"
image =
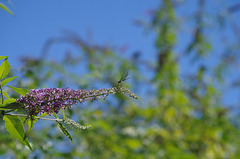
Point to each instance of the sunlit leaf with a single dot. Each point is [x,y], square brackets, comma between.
[5,94]
[55,115]
[9,100]
[21,91]
[4,82]
[31,124]
[4,69]
[63,114]
[3,57]
[43,114]
[5,8]
[15,127]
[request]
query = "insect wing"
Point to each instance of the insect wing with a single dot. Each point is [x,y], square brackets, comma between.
[124,76]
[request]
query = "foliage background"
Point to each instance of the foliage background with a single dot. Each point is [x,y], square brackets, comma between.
[188,89]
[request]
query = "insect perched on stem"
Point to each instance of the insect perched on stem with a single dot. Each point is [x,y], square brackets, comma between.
[124,77]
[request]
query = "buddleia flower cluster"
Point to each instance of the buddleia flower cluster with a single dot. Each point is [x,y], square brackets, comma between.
[52,100]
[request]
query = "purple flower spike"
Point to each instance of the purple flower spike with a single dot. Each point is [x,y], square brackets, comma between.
[52,100]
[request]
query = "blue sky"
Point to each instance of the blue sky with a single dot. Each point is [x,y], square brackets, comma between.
[105,22]
[101,22]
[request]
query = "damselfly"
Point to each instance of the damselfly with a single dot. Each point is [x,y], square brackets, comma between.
[124,77]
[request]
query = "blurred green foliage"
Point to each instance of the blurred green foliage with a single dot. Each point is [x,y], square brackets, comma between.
[180,115]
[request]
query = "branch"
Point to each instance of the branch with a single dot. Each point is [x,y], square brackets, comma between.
[40,118]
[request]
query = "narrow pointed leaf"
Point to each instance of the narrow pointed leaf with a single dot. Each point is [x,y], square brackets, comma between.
[55,115]
[4,69]
[31,124]
[21,91]
[64,130]
[3,57]
[63,114]
[43,114]
[15,127]
[9,100]
[4,82]
[5,94]
[5,8]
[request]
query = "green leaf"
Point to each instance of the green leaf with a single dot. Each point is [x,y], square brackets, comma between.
[43,114]
[64,130]
[5,8]
[21,91]
[9,100]
[4,82]
[5,94]
[63,114]
[4,69]
[11,105]
[31,124]
[15,127]
[3,57]
[55,115]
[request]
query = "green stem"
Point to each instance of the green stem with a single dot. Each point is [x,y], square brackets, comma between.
[1,93]
[40,118]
